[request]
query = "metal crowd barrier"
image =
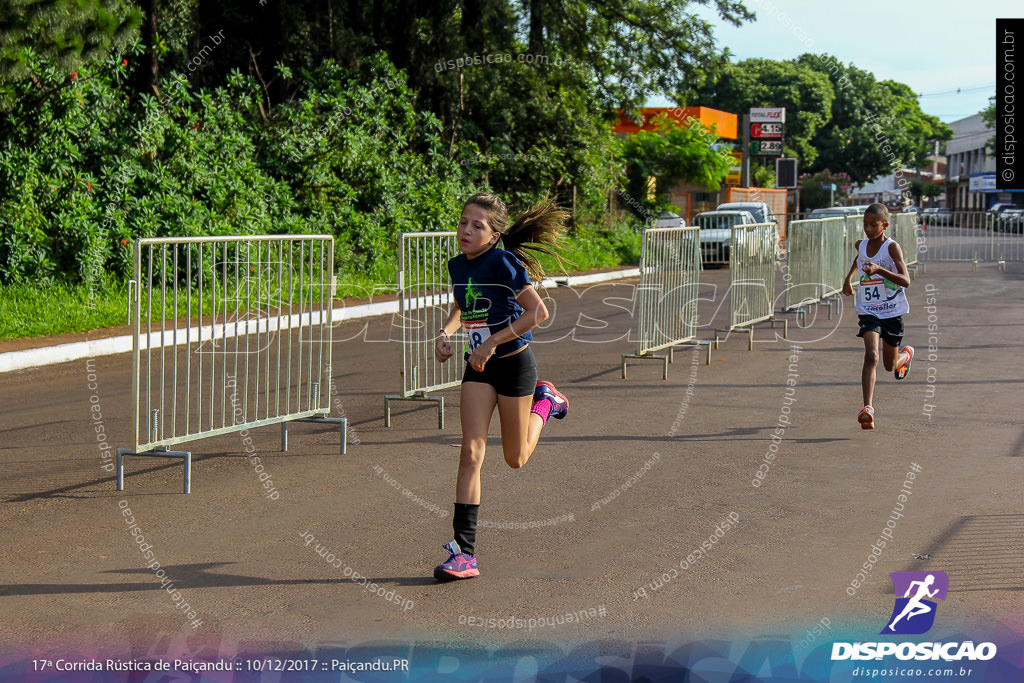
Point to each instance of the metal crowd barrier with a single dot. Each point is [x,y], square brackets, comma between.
[971,236]
[424,298]
[670,264]
[819,258]
[752,259]
[904,231]
[230,333]
[803,264]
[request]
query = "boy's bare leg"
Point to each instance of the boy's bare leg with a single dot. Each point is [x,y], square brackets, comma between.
[892,356]
[867,377]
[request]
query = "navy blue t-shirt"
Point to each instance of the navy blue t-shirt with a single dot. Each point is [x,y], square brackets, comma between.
[485,288]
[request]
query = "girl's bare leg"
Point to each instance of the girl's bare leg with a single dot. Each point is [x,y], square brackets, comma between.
[520,429]
[477,406]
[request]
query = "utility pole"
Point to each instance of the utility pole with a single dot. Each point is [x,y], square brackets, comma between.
[745,166]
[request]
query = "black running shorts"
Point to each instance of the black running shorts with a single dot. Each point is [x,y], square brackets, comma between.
[514,375]
[891,329]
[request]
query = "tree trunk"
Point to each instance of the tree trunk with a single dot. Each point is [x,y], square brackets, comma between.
[147,73]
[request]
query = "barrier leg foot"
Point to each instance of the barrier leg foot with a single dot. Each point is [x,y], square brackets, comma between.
[663,358]
[188,473]
[439,400]
[158,452]
[120,469]
[284,437]
[340,421]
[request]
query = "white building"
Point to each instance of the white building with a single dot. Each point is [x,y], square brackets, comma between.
[972,172]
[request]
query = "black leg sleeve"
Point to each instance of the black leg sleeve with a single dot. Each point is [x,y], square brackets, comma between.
[464,525]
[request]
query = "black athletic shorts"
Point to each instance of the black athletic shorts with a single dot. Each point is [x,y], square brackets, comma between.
[891,329]
[514,375]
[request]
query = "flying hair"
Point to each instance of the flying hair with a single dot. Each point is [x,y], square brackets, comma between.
[539,229]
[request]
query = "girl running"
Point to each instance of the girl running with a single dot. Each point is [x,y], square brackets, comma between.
[496,304]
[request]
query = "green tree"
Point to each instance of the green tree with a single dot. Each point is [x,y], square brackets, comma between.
[671,154]
[875,127]
[806,94]
[988,115]
[812,196]
[67,33]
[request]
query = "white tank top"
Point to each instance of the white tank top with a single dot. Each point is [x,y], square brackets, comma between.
[877,296]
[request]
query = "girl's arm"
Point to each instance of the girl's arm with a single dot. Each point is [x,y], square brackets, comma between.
[534,313]
[442,345]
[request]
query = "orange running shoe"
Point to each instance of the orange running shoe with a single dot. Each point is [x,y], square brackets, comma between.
[903,369]
[866,417]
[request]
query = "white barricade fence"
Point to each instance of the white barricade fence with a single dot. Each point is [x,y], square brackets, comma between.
[818,256]
[670,265]
[803,264]
[833,256]
[229,333]
[905,233]
[424,299]
[752,262]
[971,236]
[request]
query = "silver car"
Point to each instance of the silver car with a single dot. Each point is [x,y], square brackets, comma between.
[716,233]
[761,212]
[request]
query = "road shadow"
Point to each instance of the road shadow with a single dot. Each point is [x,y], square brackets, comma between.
[192,576]
[979,553]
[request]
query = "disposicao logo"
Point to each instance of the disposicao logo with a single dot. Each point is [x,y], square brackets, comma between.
[914,614]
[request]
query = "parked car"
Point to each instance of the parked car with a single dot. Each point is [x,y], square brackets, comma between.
[937,216]
[761,212]
[1010,220]
[992,214]
[833,212]
[716,233]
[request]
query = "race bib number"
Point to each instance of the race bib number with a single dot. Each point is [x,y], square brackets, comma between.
[476,332]
[872,290]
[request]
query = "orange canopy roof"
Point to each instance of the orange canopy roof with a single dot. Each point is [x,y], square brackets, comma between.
[725,122]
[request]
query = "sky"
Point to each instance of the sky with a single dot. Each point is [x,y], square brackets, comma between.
[935,48]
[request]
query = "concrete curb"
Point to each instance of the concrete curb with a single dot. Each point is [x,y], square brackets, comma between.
[64,353]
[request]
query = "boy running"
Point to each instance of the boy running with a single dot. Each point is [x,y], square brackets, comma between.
[881,304]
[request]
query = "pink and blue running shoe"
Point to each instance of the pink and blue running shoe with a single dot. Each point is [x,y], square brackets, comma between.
[459,565]
[559,403]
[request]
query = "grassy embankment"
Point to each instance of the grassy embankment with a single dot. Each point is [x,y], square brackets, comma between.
[33,311]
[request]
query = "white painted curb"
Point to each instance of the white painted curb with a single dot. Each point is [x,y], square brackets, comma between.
[63,353]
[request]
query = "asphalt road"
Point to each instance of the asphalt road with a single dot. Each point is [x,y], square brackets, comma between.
[605,523]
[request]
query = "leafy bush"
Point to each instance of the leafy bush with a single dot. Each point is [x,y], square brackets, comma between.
[86,169]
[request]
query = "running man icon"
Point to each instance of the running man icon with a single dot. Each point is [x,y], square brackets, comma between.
[915,588]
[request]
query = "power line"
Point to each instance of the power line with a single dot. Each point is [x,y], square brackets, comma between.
[958,91]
